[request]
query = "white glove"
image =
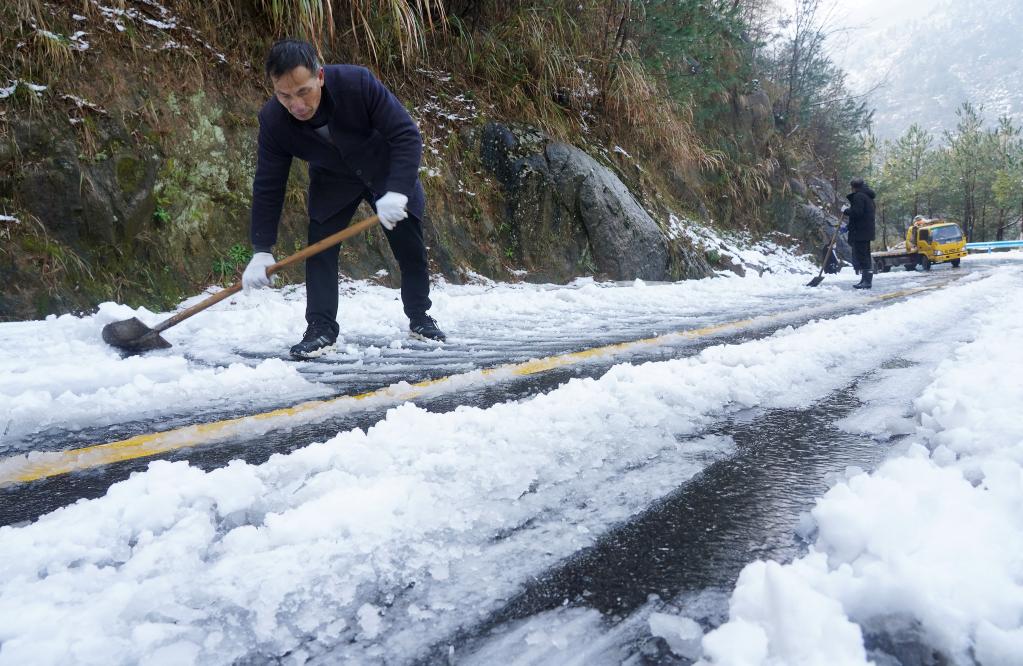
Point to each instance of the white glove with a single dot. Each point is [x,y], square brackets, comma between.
[255,276]
[845,207]
[391,209]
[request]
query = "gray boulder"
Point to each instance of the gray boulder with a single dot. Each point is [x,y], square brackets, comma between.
[106,200]
[798,187]
[823,190]
[818,227]
[626,241]
[571,214]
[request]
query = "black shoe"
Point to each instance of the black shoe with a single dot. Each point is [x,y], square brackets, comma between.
[317,341]
[865,282]
[425,327]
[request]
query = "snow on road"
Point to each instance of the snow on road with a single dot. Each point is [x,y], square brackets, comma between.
[376,544]
[58,373]
[929,544]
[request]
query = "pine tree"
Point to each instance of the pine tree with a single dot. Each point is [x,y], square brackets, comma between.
[966,161]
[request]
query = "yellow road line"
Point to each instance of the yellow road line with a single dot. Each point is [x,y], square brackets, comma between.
[41,465]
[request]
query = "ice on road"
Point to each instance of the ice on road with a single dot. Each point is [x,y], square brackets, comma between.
[374,545]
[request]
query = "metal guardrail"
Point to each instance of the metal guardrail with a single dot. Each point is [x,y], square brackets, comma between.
[994,245]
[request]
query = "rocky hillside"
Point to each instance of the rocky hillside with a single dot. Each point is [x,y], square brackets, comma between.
[126,166]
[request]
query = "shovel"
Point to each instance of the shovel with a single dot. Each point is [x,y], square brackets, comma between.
[132,335]
[820,276]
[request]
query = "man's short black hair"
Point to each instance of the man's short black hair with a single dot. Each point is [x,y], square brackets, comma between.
[287,54]
[856,183]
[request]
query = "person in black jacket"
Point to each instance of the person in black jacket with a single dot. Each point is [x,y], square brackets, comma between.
[360,144]
[861,229]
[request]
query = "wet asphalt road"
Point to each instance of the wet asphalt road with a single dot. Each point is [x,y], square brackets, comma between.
[28,501]
[696,539]
[700,537]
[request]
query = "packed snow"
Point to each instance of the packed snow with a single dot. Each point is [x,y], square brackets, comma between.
[941,572]
[930,542]
[375,545]
[58,373]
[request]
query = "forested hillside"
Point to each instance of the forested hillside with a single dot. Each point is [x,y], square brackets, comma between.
[925,67]
[972,173]
[127,133]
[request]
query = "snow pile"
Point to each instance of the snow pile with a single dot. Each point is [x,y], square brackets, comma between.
[375,544]
[681,633]
[927,547]
[554,637]
[741,252]
[59,372]
[575,636]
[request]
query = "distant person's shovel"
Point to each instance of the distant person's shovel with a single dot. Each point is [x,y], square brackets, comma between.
[132,335]
[831,246]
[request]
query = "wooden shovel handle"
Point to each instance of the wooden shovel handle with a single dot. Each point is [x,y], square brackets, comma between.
[831,246]
[322,245]
[301,255]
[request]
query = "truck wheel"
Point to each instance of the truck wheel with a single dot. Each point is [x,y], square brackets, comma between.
[910,267]
[886,269]
[925,263]
[955,263]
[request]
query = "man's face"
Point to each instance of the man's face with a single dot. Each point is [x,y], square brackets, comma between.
[299,90]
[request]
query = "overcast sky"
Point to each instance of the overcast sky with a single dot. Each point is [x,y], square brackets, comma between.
[872,40]
[886,12]
[859,18]
[862,15]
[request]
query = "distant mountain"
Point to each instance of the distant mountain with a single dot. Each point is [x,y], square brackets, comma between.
[929,64]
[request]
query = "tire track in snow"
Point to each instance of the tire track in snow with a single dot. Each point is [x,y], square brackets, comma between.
[51,489]
[742,507]
[378,544]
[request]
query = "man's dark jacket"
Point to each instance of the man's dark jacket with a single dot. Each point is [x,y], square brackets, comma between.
[375,146]
[861,214]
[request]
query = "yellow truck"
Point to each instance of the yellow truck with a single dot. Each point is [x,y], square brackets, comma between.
[928,242]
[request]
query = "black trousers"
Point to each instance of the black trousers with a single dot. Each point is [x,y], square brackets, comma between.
[321,273]
[861,255]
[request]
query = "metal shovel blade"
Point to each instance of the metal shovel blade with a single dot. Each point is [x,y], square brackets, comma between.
[831,246]
[133,336]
